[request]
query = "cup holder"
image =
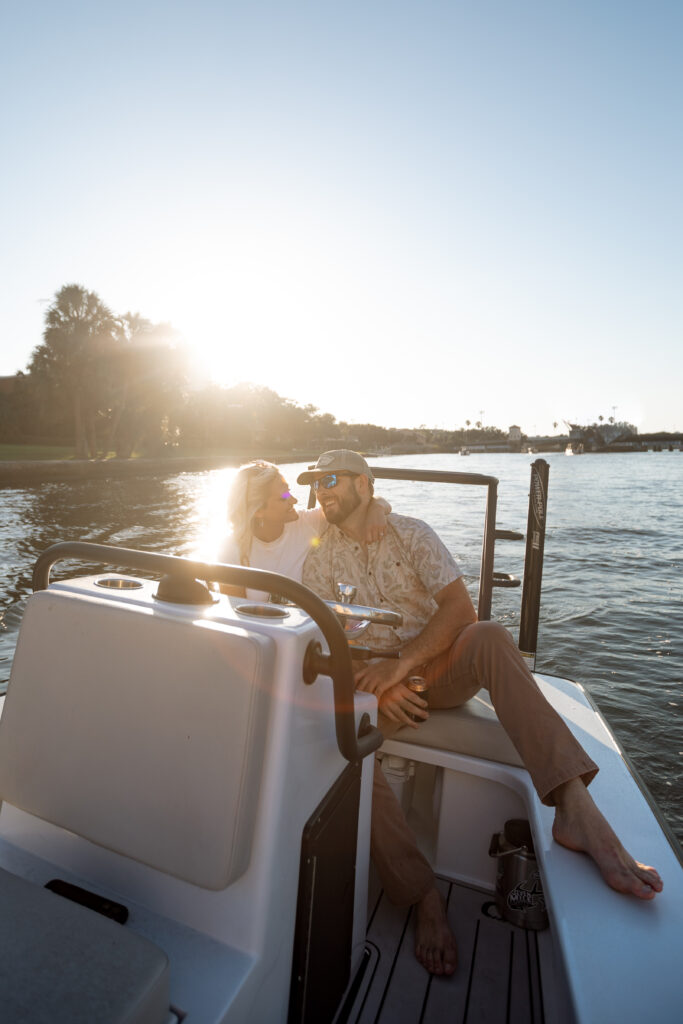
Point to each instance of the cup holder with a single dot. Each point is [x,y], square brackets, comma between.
[118,583]
[263,611]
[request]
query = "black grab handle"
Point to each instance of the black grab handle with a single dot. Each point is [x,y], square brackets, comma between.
[339,665]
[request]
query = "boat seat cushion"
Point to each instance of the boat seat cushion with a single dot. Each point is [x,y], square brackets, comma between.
[473,729]
[140,730]
[62,962]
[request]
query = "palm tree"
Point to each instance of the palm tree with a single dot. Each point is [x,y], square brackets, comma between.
[146,373]
[122,371]
[78,329]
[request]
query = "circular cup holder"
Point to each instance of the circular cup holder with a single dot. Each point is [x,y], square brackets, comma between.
[263,611]
[117,583]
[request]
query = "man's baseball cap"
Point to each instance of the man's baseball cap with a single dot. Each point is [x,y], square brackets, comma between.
[342,460]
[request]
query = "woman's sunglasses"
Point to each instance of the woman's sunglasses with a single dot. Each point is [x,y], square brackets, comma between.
[329,481]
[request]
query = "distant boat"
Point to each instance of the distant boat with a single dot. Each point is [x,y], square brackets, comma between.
[464,451]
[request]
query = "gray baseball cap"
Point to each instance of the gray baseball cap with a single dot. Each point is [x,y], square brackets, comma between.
[342,460]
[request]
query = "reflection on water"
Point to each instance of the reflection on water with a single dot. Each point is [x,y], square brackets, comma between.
[182,515]
[176,515]
[612,589]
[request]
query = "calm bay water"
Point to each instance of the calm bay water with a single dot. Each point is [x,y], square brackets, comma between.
[612,600]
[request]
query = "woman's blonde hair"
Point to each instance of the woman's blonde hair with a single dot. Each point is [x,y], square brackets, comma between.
[249,492]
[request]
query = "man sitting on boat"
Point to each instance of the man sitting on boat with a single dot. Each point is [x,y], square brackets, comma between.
[410,570]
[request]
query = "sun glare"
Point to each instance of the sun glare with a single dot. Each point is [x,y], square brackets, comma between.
[257,335]
[261,302]
[211,516]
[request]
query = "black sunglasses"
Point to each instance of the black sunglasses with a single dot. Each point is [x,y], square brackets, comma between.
[329,481]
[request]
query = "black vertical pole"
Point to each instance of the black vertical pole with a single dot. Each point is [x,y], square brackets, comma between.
[533,560]
[487,554]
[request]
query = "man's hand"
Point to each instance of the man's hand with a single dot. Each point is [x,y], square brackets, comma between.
[399,703]
[376,520]
[379,676]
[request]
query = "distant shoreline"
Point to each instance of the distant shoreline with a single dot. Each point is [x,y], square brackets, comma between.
[30,471]
[19,472]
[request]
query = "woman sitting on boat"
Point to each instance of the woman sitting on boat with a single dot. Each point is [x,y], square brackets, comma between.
[269,533]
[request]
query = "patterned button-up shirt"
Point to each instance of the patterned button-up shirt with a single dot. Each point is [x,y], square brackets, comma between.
[402,572]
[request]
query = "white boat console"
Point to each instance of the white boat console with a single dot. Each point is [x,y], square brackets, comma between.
[172,758]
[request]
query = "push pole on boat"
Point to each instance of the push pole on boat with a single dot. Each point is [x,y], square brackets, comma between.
[533,561]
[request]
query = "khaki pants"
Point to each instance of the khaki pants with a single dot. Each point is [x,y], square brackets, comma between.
[483,657]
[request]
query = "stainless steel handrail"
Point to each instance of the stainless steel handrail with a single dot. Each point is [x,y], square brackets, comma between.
[535,540]
[533,563]
[488,543]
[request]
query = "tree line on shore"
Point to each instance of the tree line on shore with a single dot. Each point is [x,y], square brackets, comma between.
[119,383]
[106,383]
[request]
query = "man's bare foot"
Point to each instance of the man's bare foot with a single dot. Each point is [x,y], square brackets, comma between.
[579,825]
[434,940]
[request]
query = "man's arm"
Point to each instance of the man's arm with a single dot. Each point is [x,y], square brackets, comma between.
[454,613]
[376,519]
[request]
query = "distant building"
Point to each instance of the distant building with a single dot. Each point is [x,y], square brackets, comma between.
[598,436]
[515,433]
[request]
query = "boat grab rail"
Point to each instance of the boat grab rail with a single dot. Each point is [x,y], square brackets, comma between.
[535,541]
[338,665]
[486,575]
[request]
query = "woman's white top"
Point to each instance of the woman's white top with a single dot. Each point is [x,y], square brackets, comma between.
[285,555]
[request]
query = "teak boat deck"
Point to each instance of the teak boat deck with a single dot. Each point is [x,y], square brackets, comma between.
[504,973]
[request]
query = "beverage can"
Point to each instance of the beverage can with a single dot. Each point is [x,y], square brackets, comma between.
[417,684]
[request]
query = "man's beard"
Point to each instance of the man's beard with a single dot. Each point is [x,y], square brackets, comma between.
[344,507]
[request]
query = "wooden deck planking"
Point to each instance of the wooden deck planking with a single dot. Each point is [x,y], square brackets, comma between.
[449,997]
[391,934]
[498,979]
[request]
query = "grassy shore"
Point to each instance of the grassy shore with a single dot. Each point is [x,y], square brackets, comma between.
[22,465]
[31,464]
[22,452]
[51,453]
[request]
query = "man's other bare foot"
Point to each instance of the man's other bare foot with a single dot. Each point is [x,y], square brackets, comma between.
[434,940]
[579,825]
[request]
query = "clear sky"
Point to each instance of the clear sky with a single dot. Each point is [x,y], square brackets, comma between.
[400,212]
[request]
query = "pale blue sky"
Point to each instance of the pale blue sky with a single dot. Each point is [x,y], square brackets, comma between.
[400,212]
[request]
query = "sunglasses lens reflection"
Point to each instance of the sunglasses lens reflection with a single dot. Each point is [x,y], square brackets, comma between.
[328,482]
